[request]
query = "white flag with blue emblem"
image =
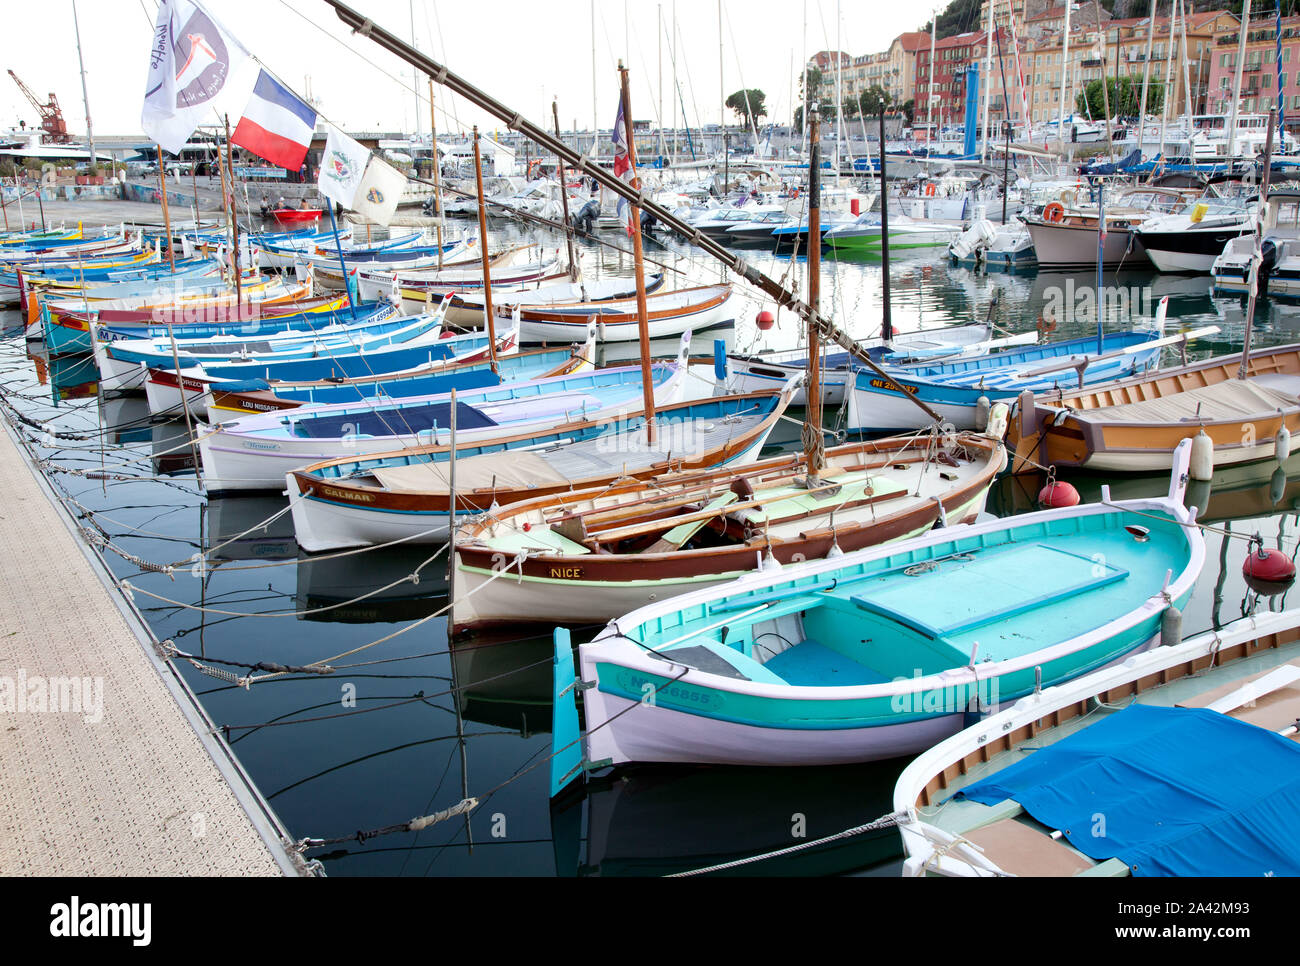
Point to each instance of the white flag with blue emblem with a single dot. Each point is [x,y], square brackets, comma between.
[380,189]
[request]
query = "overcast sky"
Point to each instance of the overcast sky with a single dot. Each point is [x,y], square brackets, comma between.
[522,53]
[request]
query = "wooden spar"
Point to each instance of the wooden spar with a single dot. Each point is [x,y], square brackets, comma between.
[490,325]
[564,200]
[176,358]
[634,229]
[1259,240]
[1105,94]
[437,173]
[516,122]
[451,515]
[167,218]
[886,319]
[225,195]
[234,214]
[814,443]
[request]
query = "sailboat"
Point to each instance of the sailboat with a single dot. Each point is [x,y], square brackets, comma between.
[590,555]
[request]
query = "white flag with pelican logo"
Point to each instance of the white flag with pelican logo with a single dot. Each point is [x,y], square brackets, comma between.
[195,68]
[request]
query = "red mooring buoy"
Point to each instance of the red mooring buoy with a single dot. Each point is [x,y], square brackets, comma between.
[1057,494]
[765,320]
[1268,571]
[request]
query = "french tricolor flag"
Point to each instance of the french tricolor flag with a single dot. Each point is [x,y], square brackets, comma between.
[276,125]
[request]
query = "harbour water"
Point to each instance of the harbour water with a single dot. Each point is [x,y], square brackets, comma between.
[410,724]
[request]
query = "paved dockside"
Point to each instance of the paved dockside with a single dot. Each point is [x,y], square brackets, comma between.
[120,786]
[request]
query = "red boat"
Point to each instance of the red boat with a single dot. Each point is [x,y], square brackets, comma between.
[297,216]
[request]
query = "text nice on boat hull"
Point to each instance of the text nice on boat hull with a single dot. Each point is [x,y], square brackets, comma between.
[591,556]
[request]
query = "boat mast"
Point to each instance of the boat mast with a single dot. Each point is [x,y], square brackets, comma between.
[1065,67]
[595,117]
[743,269]
[722,90]
[642,319]
[987,80]
[1189,97]
[1105,92]
[1169,77]
[415,75]
[1236,87]
[437,170]
[564,199]
[85,98]
[234,218]
[886,321]
[1146,76]
[489,320]
[814,443]
[929,97]
[1258,254]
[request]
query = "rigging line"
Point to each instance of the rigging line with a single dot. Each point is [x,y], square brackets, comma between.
[452,691]
[320,557]
[399,82]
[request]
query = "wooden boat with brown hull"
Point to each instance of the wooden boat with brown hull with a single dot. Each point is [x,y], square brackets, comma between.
[406,495]
[589,556]
[667,314]
[1133,425]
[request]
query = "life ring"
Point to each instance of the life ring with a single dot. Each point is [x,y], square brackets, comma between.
[1054,212]
[929,190]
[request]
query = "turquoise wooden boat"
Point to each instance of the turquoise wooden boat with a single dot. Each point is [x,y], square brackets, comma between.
[883,652]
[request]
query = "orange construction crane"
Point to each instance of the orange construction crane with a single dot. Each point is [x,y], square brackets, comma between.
[56,131]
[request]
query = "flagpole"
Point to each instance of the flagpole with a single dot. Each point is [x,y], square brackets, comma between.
[483,252]
[642,320]
[1101,255]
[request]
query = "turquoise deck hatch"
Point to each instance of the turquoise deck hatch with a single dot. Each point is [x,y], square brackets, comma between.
[964,594]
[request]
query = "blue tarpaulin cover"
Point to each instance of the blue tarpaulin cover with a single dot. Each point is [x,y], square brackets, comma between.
[1170,791]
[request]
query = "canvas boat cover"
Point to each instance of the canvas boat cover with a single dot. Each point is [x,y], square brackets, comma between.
[394,421]
[1228,401]
[1176,792]
[506,470]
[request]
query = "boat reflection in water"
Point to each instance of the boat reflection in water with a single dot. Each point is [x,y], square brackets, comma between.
[355,587]
[660,820]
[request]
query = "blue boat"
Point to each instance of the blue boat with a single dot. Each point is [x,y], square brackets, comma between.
[954,390]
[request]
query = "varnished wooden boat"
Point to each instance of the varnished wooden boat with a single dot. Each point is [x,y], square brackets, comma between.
[595,554]
[1133,425]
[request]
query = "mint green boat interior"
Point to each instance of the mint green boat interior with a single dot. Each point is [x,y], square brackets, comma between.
[975,599]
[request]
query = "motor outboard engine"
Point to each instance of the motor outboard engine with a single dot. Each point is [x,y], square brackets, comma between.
[1267,261]
[585,219]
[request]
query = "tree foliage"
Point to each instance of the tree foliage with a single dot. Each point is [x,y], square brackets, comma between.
[1125,96]
[872,100]
[748,104]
